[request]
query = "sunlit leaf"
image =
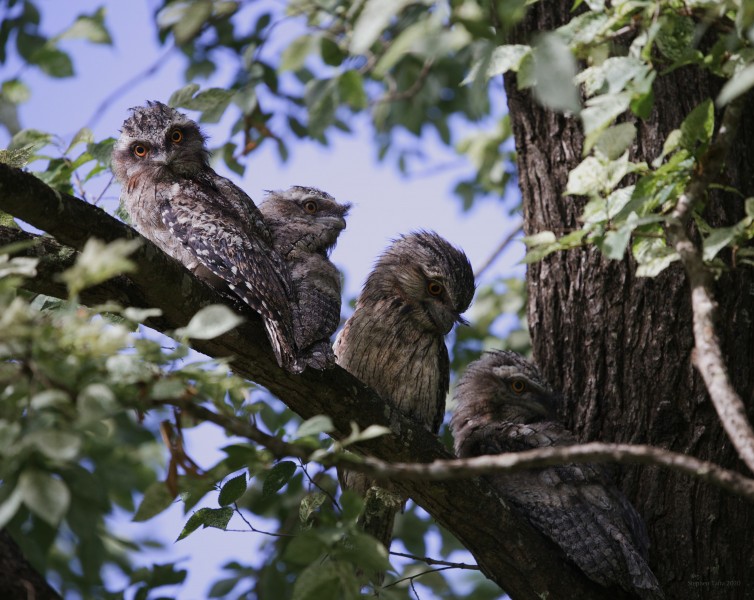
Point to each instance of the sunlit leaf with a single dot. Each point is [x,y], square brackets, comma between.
[210,322]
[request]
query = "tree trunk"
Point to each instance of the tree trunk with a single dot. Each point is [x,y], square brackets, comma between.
[620,347]
[18,579]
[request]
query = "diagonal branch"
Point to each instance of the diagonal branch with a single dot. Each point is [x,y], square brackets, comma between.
[708,355]
[506,548]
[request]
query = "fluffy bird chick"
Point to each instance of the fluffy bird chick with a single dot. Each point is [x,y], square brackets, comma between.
[394,342]
[305,224]
[503,405]
[201,219]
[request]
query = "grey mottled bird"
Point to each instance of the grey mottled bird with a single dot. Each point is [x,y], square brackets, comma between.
[394,342]
[503,405]
[201,219]
[305,223]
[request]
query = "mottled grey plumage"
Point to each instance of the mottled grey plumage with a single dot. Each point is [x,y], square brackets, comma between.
[503,405]
[394,342]
[305,223]
[201,219]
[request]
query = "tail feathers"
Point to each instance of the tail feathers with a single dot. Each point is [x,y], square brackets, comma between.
[284,349]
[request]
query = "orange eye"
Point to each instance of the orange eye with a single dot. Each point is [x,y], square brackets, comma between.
[518,386]
[140,150]
[176,136]
[310,206]
[434,288]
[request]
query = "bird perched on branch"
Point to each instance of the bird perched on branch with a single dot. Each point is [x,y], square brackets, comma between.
[201,219]
[503,405]
[394,342]
[305,224]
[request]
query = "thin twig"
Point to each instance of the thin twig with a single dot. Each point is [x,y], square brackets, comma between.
[708,355]
[498,251]
[412,577]
[252,528]
[315,484]
[436,561]
[411,91]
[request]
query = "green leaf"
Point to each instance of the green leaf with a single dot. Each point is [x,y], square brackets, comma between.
[316,582]
[351,88]
[698,126]
[615,140]
[351,505]
[587,178]
[304,549]
[653,256]
[55,445]
[315,425]
[297,51]
[83,135]
[503,59]
[157,498]
[278,476]
[211,102]
[91,28]
[98,262]
[206,517]
[53,62]
[180,97]
[372,21]
[46,496]
[554,71]
[194,16]
[737,85]
[309,505]
[719,239]
[210,322]
[15,91]
[232,490]
[10,506]
[365,551]
[29,138]
[600,112]
[331,53]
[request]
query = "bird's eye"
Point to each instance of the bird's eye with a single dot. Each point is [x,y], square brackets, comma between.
[140,150]
[518,386]
[434,288]
[310,206]
[176,136]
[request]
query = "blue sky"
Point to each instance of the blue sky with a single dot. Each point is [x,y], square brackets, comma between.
[386,204]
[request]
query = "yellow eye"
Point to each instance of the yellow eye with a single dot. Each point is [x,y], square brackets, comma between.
[310,206]
[140,150]
[518,386]
[176,136]
[434,288]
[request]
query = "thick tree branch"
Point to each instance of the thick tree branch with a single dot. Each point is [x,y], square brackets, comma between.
[18,579]
[708,355]
[507,549]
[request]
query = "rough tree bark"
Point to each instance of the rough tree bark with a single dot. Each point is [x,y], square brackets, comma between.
[620,347]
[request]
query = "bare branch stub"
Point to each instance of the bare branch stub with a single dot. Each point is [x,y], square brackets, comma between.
[708,355]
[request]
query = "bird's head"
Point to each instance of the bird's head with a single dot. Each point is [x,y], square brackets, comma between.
[504,386]
[430,281]
[158,139]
